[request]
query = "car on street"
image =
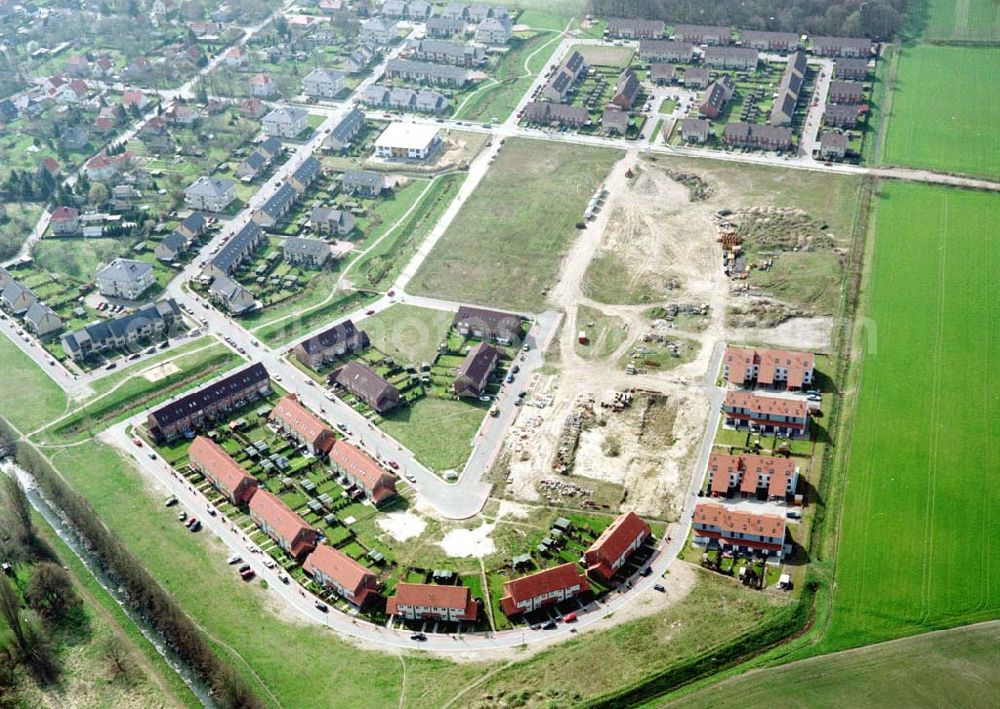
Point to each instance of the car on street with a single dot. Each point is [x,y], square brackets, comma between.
[321,607]
[569,618]
[510,378]
[137,442]
[170,501]
[111,366]
[234,559]
[392,464]
[369,312]
[411,477]
[550,625]
[419,637]
[659,587]
[152,455]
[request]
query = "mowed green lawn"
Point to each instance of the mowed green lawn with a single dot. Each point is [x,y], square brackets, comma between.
[963,20]
[944,110]
[951,668]
[439,432]
[28,398]
[917,546]
[506,244]
[407,332]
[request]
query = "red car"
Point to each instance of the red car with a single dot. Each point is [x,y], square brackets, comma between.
[137,441]
[569,618]
[369,312]
[393,464]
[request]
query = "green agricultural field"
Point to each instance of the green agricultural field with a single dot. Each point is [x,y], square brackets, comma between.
[533,196]
[944,109]
[408,333]
[957,668]
[963,21]
[917,547]
[439,432]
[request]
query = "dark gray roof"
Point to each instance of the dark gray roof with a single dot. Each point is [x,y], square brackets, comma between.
[316,248]
[174,241]
[833,139]
[272,146]
[497,323]
[839,42]
[726,52]
[194,222]
[209,187]
[364,382]
[308,170]
[349,125]
[427,69]
[226,259]
[363,178]
[104,330]
[617,24]
[252,376]
[280,201]
[664,46]
[344,332]
[478,364]
[694,126]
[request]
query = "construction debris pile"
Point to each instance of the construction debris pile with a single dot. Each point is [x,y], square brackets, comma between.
[698,189]
[555,490]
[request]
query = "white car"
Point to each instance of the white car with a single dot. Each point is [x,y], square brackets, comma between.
[411,477]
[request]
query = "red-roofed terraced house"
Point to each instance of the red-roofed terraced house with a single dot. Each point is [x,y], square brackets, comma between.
[744,366]
[729,528]
[341,574]
[426,601]
[222,471]
[615,545]
[286,528]
[753,476]
[771,414]
[303,425]
[543,588]
[360,469]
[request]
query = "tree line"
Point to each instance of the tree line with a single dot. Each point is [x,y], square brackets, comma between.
[879,19]
[143,591]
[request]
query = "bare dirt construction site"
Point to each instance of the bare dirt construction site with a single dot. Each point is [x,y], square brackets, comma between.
[655,244]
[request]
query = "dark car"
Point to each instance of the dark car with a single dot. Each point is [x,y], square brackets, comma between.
[659,587]
[420,637]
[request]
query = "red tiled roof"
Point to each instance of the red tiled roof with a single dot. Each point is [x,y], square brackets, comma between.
[288,525]
[731,541]
[132,97]
[293,414]
[206,453]
[731,521]
[739,359]
[343,569]
[540,583]
[772,405]
[434,596]
[62,214]
[363,468]
[613,542]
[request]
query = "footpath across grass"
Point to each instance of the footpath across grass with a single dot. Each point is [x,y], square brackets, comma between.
[944,110]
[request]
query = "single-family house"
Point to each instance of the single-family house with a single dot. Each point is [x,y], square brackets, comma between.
[424,601]
[285,121]
[695,78]
[662,74]
[379,31]
[475,371]
[331,220]
[323,83]
[614,120]
[42,320]
[210,194]
[231,296]
[363,183]
[617,543]
[65,220]
[833,145]
[262,86]
[306,253]
[694,130]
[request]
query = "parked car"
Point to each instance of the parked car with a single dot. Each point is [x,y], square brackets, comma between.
[137,441]
[659,587]
[420,637]
[392,464]
[234,559]
[182,515]
[246,573]
[569,618]
[411,477]
[793,514]
[171,501]
[320,606]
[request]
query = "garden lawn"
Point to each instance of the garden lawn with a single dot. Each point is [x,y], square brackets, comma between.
[439,432]
[917,547]
[944,110]
[408,333]
[533,196]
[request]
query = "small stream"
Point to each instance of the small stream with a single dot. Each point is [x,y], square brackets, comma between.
[67,533]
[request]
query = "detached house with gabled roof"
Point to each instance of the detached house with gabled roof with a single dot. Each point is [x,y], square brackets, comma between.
[285,527]
[337,572]
[231,296]
[306,253]
[495,30]
[225,474]
[301,424]
[424,601]
[490,325]
[366,183]
[626,90]
[544,588]
[361,471]
[331,220]
[16,298]
[367,386]
[65,220]
[609,552]
[42,320]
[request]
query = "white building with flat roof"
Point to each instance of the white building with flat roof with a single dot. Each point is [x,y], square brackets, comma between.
[407,141]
